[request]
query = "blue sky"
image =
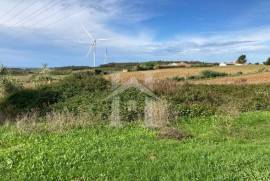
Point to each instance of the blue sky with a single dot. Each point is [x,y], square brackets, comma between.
[34,32]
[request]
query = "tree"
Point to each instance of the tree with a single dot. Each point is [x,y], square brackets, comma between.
[242,59]
[3,70]
[267,61]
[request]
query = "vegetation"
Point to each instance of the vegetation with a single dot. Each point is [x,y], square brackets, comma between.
[9,86]
[221,149]
[86,92]
[267,61]
[206,74]
[242,59]
[3,70]
[62,130]
[146,66]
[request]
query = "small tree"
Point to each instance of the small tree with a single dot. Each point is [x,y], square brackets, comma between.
[267,61]
[3,70]
[242,59]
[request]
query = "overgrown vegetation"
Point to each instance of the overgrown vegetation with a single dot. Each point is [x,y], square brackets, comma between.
[87,92]
[267,61]
[207,74]
[9,86]
[61,131]
[3,70]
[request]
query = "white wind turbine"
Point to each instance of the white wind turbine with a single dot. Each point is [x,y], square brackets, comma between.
[106,56]
[93,44]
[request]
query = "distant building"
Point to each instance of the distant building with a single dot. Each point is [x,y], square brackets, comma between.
[223,64]
[125,70]
[239,64]
[174,65]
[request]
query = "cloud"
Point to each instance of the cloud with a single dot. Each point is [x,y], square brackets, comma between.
[57,24]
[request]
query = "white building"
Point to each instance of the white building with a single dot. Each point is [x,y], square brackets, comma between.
[223,64]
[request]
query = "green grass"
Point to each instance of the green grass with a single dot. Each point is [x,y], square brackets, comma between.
[221,149]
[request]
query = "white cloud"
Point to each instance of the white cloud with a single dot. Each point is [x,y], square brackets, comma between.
[58,23]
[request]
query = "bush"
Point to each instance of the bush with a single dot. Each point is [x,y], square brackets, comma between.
[146,66]
[178,78]
[9,86]
[3,70]
[267,61]
[212,74]
[207,74]
[66,93]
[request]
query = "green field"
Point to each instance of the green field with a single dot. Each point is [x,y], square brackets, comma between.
[221,149]
[61,130]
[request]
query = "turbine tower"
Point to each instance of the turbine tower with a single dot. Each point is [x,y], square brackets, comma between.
[106,56]
[93,44]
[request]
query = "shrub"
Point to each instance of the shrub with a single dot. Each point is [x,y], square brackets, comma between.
[178,78]
[157,114]
[267,61]
[207,74]
[263,69]
[146,66]
[212,74]
[3,70]
[9,86]
[239,73]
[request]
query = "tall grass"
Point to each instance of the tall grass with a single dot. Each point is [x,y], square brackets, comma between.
[54,122]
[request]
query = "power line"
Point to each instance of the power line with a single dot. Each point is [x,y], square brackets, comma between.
[38,12]
[10,11]
[62,19]
[25,9]
[43,19]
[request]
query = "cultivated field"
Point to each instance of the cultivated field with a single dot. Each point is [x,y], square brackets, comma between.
[249,74]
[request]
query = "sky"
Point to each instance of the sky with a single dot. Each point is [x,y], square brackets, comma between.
[35,32]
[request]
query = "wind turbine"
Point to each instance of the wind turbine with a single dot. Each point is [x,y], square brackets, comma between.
[93,44]
[106,56]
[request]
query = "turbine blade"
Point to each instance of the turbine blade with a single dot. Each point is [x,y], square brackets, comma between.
[89,51]
[88,33]
[102,39]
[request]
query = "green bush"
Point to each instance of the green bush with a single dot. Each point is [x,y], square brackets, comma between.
[178,78]
[9,86]
[207,74]
[146,66]
[212,74]
[194,110]
[267,61]
[45,98]
[3,70]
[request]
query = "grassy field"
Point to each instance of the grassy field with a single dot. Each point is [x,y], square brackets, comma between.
[221,149]
[61,130]
[251,74]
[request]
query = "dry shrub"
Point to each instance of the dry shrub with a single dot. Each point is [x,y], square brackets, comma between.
[54,122]
[165,86]
[157,114]
[231,109]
